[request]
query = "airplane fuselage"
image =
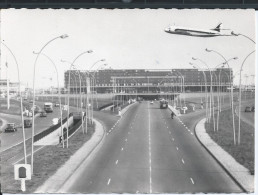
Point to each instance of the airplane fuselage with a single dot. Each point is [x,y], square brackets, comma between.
[195,32]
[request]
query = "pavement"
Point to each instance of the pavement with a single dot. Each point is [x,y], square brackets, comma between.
[241,174]
[146,151]
[54,183]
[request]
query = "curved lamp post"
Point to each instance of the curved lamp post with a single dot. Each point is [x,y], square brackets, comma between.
[211,91]
[59,96]
[69,81]
[232,94]
[239,106]
[206,91]
[239,34]
[33,104]
[21,105]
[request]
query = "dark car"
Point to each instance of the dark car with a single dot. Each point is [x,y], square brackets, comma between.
[27,123]
[248,109]
[253,109]
[43,114]
[10,127]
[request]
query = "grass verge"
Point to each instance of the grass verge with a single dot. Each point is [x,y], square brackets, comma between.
[243,153]
[46,162]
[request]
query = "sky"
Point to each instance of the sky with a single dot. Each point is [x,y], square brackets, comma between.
[127,39]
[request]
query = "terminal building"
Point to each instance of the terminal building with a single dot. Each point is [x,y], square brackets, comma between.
[149,80]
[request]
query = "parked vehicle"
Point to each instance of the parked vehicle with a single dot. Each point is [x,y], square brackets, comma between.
[27,123]
[253,108]
[48,107]
[248,109]
[43,114]
[11,127]
[57,104]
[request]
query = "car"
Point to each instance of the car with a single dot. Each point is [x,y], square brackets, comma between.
[43,114]
[27,123]
[248,109]
[57,104]
[151,102]
[11,127]
[253,109]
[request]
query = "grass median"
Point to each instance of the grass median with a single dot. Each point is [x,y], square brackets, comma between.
[242,153]
[46,162]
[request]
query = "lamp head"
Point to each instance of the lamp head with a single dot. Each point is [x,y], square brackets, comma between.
[194,58]
[208,50]
[102,60]
[64,36]
[89,51]
[190,63]
[235,58]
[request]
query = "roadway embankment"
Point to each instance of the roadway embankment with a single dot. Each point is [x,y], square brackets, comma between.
[238,172]
[56,181]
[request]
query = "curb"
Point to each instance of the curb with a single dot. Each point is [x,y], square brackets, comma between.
[64,173]
[218,158]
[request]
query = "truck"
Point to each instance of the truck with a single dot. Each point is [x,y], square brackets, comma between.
[48,107]
[163,104]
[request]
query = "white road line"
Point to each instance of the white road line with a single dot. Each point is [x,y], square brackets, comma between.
[183,161]
[173,139]
[122,149]
[176,148]
[116,162]
[150,151]
[192,180]
[191,133]
[126,140]
[108,181]
[167,127]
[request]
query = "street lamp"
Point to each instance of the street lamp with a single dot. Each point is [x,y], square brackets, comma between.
[232,94]
[206,91]
[69,81]
[33,104]
[59,97]
[211,91]
[239,106]
[239,34]
[21,105]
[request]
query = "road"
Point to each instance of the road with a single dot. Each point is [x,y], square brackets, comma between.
[148,152]
[41,123]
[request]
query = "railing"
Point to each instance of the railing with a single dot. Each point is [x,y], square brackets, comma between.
[49,130]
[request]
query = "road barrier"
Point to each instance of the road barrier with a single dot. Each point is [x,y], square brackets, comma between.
[51,129]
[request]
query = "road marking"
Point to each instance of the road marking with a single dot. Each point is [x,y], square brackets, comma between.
[192,180]
[108,181]
[167,127]
[173,139]
[116,162]
[122,149]
[183,161]
[191,133]
[126,140]
[176,148]
[150,151]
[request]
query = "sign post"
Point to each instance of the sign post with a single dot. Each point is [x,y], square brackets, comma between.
[22,172]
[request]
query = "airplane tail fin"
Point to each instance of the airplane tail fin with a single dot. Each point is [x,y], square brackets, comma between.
[218,27]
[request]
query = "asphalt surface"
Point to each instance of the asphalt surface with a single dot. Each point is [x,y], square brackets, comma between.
[11,139]
[148,152]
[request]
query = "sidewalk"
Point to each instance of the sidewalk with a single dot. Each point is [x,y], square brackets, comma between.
[56,181]
[238,172]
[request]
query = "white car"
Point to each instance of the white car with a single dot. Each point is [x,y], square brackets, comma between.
[151,102]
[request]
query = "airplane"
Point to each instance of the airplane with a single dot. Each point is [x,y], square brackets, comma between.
[198,32]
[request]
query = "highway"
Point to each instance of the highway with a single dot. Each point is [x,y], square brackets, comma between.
[148,152]
[41,123]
